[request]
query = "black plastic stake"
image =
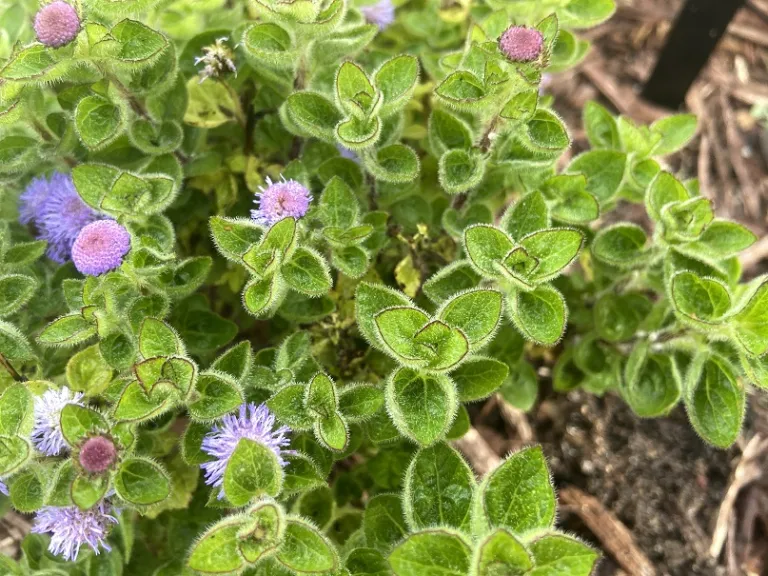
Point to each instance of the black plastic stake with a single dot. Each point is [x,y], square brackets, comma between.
[693,38]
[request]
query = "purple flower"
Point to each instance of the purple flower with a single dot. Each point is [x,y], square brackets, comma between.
[382,13]
[46,433]
[347,153]
[57,24]
[279,200]
[71,527]
[4,489]
[521,44]
[255,423]
[59,214]
[97,454]
[32,200]
[100,247]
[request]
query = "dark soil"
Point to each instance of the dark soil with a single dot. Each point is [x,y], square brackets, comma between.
[656,476]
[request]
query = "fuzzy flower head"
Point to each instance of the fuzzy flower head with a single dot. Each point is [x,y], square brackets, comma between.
[97,454]
[46,433]
[71,527]
[382,13]
[32,200]
[521,44]
[57,24]
[255,423]
[279,200]
[217,59]
[100,247]
[61,216]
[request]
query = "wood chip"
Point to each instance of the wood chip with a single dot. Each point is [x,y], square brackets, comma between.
[614,536]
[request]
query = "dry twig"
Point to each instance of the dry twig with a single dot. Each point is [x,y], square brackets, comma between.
[480,455]
[614,536]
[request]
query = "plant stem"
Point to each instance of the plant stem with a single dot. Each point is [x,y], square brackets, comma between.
[11,370]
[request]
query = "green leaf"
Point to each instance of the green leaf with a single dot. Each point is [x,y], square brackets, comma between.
[27,491]
[357,134]
[360,401]
[554,249]
[252,471]
[354,91]
[715,400]
[545,131]
[395,163]
[446,132]
[479,377]
[217,550]
[462,90]
[651,384]
[518,494]
[261,296]
[288,405]
[527,215]
[367,562]
[97,121]
[460,170]
[332,432]
[301,474]
[501,552]
[370,300]
[720,240]
[156,338]
[431,553]
[192,441]
[13,344]
[15,291]
[569,200]
[487,247]
[321,395]
[622,245]
[14,452]
[396,79]
[78,421]
[699,299]
[561,555]
[749,323]
[293,352]
[422,406]
[264,532]
[16,407]
[521,107]
[270,44]
[450,280]
[216,394]
[141,482]
[619,316]
[314,114]
[540,315]
[307,272]
[137,43]
[36,62]
[676,131]
[384,522]
[304,549]
[600,127]
[235,362]
[475,312]
[438,489]
[88,491]
[664,190]
[23,253]
[88,372]
[604,171]
[338,204]
[67,331]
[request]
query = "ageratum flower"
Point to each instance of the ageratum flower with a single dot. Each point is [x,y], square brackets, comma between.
[255,423]
[217,59]
[100,247]
[382,13]
[32,200]
[4,489]
[46,433]
[97,454]
[71,527]
[57,24]
[521,44]
[279,200]
[57,211]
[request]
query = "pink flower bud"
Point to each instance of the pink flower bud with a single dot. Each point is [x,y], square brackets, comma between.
[97,454]
[100,247]
[57,24]
[521,44]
